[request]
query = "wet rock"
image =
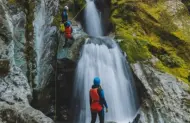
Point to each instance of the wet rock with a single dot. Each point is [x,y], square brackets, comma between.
[44,98]
[136,120]
[45,40]
[21,114]
[15,92]
[177,11]
[18,20]
[72,52]
[48,56]
[164,96]
[14,87]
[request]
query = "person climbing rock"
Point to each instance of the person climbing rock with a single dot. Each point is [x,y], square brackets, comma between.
[68,32]
[97,101]
[64,14]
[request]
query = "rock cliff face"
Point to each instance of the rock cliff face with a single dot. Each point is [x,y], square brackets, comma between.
[15,92]
[165,98]
[44,99]
[45,40]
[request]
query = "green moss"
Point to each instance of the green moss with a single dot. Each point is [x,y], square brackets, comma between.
[147,29]
[186,102]
[166,22]
[11,1]
[180,73]
[160,66]
[81,3]
[57,20]
[134,47]
[180,34]
[169,61]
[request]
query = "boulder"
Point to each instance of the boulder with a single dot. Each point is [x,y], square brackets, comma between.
[164,97]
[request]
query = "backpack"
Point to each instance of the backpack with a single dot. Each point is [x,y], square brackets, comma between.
[62,28]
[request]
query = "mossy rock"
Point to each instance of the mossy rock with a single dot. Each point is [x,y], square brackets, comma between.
[171,61]
[11,1]
[80,3]
[135,48]
[148,29]
[186,102]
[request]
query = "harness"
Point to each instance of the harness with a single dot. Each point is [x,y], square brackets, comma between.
[62,28]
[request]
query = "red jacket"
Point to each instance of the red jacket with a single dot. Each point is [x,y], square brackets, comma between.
[68,31]
[95,98]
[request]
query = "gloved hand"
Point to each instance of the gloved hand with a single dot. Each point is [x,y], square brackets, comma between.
[106,110]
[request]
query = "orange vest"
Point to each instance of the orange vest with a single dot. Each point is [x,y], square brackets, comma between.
[95,105]
[68,32]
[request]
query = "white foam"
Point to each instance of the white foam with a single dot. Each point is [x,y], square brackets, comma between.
[110,66]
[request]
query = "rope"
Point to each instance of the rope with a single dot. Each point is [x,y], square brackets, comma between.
[79,12]
[55,117]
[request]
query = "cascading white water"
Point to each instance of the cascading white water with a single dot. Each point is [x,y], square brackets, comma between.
[92,19]
[102,57]
[39,30]
[44,39]
[39,23]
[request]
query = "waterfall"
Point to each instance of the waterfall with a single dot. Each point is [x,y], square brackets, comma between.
[39,25]
[103,58]
[44,39]
[92,19]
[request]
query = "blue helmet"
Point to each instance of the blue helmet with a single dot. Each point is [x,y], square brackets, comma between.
[68,23]
[96,81]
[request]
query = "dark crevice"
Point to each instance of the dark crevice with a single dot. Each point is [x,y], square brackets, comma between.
[187,4]
[55,98]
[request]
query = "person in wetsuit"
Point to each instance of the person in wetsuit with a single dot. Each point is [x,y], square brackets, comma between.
[97,101]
